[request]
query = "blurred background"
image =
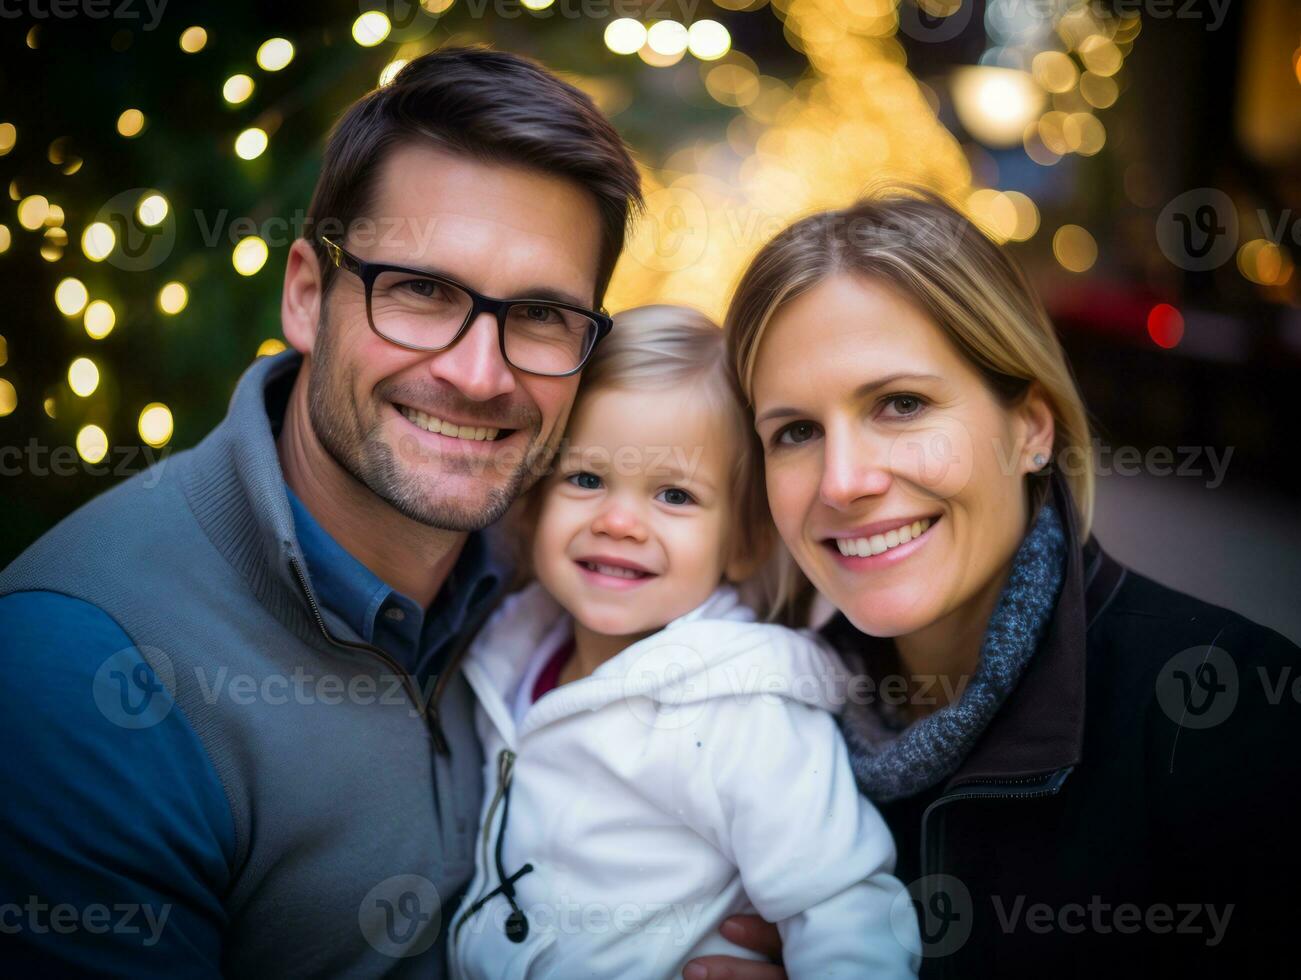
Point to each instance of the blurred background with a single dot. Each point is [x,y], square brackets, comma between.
[1141,158]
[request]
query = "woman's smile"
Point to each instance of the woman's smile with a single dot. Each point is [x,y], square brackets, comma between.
[881,544]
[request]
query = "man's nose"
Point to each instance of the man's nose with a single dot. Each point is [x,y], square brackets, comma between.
[474,365]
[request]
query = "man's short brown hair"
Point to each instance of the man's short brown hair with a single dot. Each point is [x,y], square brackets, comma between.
[490,105]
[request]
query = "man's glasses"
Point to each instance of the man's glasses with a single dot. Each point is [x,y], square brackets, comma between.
[420,311]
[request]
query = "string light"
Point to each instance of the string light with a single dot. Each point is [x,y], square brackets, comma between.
[250,144]
[193,39]
[371,28]
[173,298]
[100,319]
[131,123]
[155,424]
[152,210]
[237,89]
[250,255]
[97,241]
[83,377]
[275,54]
[70,296]
[625,35]
[92,443]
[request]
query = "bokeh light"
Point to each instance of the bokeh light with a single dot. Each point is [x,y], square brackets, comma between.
[100,319]
[155,424]
[92,443]
[83,377]
[251,144]
[275,54]
[173,298]
[193,39]
[70,296]
[237,89]
[97,241]
[250,255]
[1074,248]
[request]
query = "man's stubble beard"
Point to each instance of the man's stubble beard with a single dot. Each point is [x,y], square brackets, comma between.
[363,454]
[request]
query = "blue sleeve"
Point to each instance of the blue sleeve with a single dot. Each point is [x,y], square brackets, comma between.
[116,838]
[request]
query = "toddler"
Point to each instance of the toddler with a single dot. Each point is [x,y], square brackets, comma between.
[659,757]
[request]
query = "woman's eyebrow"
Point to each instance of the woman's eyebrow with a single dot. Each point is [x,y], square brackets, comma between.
[862,391]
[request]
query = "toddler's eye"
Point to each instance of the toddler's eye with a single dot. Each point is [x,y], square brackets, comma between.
[676,496]
[585,480]
[795,433]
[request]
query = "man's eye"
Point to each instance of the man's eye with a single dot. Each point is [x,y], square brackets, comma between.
[585,480]
[676,496]
[795,433]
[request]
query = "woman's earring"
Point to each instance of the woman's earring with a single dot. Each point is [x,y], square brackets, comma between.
[1039,460]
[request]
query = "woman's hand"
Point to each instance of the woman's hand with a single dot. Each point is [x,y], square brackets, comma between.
[753,933]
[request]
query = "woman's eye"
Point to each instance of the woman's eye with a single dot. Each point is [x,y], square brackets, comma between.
[796,432]
[905,406]
[676,496]
[585,480]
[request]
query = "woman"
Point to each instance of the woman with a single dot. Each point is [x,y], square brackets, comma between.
[1085,772]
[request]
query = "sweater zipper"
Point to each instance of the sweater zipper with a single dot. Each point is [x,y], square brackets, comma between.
[428,711]
[1025,788]
[505,769]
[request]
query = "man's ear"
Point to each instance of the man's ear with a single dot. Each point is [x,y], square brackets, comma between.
[300,301]
[1038,428]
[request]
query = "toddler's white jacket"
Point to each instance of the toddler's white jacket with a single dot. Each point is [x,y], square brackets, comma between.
[697,774]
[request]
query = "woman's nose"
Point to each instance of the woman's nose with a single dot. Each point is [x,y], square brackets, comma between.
[853,468]
[618,519]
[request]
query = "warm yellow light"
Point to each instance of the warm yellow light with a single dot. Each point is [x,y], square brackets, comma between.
[51,407]
[1100,55]
[1264,263]
[667,37]
[97,241]
[92,443]
[155,424]
[1027,216]
[100,320]
[193,39]
[8,397]
[993,212]
[625,35]
[70,296]
[269,348]
[151,210]
[237,89]
[173,298]
[130,123]
[250,255]
[996,104]
[708,40]
[391,70]
[1099,91]
[275,54]
[371,28]
[32,211]
[8,137]
[537,4]
[1075,248]
[5,238]
[250,144]
[83,376]
[54,216]
[1054,70]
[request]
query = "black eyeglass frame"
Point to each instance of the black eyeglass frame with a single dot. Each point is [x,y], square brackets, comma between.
[368,272]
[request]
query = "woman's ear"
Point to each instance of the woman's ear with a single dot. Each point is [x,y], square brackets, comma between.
[300,301]
[1038,429]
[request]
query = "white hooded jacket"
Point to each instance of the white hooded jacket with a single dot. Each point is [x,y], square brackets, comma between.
[697,774]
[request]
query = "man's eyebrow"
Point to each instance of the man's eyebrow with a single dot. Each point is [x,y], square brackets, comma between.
[862,391]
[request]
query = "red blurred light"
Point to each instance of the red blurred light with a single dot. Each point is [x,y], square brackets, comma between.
[1165,325]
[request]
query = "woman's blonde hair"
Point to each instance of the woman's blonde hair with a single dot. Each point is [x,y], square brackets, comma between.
[666,348]
[916,242]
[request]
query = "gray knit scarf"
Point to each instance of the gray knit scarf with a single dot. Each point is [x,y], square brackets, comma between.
[893,758]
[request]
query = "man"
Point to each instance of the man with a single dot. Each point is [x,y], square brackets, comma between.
[232,740]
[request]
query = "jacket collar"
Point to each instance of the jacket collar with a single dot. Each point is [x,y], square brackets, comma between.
[1040,728]
[236,489]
